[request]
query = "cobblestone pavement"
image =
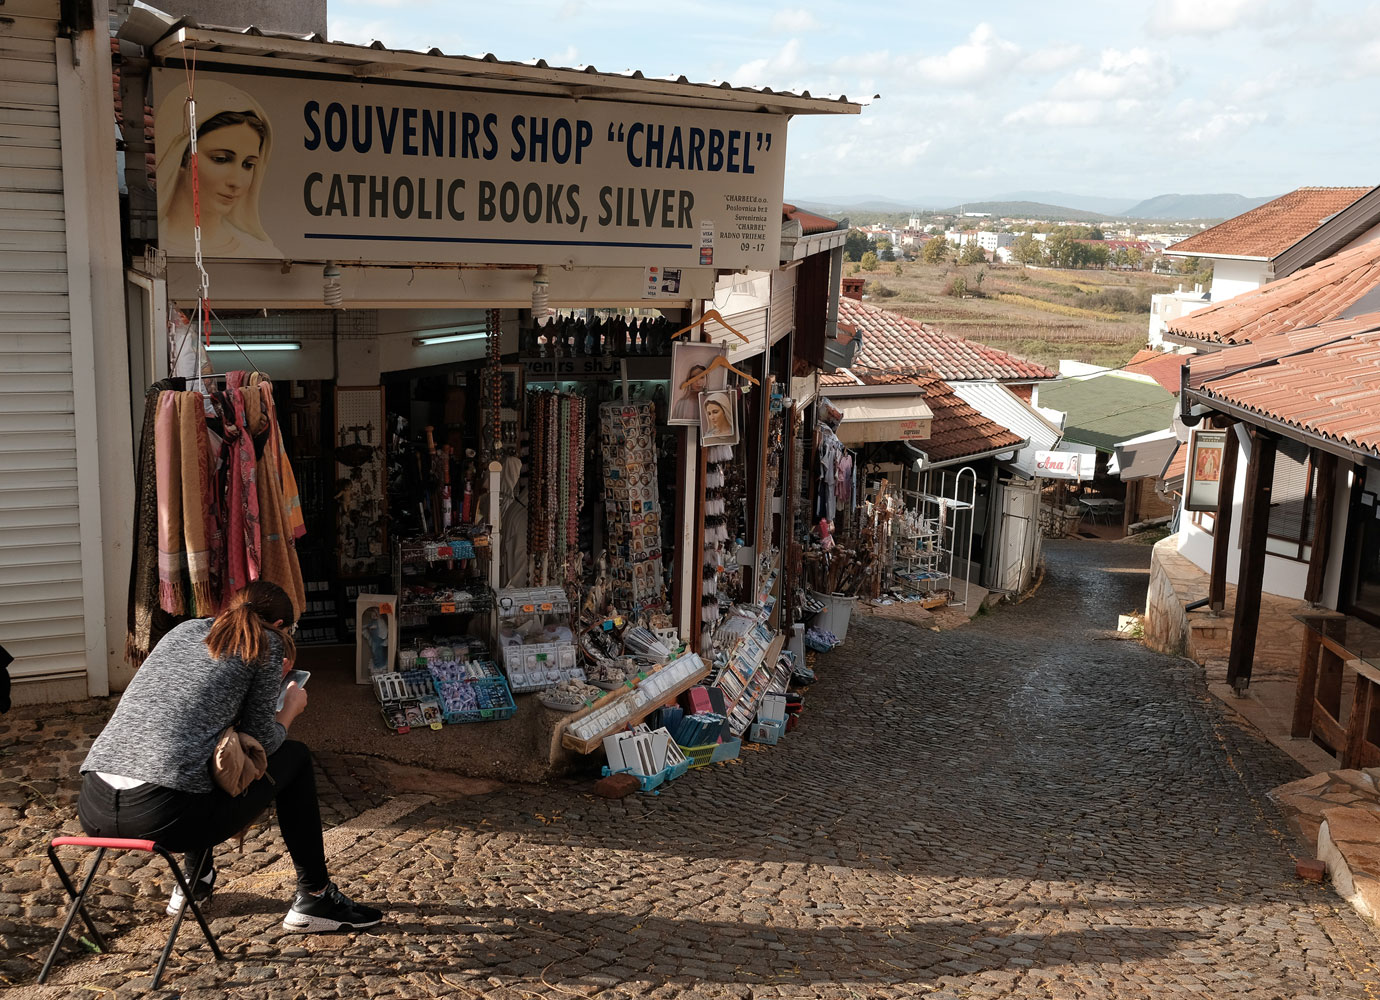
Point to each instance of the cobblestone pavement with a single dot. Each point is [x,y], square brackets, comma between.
[1022,807]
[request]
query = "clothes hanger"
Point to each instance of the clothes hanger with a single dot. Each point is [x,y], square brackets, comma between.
[719,362]
[708,315]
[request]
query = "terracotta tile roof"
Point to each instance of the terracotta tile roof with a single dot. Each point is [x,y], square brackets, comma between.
[1162,366]
[1311,295]
[1325,381]
[956,430]
[1274,227]
[810,223]
[899,343]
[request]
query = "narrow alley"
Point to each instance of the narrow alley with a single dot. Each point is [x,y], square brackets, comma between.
[1022,807]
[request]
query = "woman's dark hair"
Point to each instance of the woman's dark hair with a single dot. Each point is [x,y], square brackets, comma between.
[224,120]
[239,629]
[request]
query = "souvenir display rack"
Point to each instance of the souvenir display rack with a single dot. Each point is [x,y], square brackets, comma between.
[439,576]
[542,612]
[632,504]
[585,731]
[750,663]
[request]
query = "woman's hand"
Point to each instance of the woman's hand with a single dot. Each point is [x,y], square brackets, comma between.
[294,704]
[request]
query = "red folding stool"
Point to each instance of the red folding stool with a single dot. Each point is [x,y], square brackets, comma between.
[101,845]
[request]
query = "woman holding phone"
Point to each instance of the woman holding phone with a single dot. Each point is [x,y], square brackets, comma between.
[148,773]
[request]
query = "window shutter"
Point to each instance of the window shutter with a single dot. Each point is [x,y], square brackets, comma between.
[1291,516]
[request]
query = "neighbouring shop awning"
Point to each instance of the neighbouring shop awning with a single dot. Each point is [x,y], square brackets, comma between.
[1146,457]
[884,418]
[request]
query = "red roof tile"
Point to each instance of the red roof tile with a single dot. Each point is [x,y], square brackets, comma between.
[1274,227]
[891,341]
[1324,380]
[956,430]
[1162,366]
[810,223]
[1314,294]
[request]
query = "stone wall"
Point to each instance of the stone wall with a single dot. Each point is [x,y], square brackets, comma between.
[1176,581]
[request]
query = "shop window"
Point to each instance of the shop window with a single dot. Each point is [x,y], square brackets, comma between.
[1363,545]
[1291,503]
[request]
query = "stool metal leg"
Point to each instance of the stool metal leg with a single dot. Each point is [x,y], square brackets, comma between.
[187,900]
[78,906]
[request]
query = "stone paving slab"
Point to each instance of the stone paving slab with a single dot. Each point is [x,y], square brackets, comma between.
[1015,808]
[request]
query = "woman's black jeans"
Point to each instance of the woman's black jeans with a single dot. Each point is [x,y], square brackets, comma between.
[195,822]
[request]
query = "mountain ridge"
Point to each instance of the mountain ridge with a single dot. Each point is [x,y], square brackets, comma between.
[1079,208]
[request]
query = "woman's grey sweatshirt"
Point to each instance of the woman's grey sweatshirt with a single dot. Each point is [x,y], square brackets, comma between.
[166,724]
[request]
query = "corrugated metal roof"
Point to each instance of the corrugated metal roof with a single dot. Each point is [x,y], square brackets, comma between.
[1001,405]
[314,53]
[1312,295]
[1105,409]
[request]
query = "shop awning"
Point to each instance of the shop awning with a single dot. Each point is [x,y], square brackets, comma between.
[884,418]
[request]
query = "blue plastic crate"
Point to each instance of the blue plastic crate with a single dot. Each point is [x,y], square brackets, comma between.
[493,701]
[650,782]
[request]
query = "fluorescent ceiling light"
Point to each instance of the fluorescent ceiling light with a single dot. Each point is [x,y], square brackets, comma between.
[256,345]
[448,338]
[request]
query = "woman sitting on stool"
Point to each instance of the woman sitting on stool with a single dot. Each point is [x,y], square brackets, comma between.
[148,774]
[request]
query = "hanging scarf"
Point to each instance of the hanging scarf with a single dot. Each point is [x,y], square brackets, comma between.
[172,557]
[242,493]
[278,555]
[292,498]
[197,527]
[143,567]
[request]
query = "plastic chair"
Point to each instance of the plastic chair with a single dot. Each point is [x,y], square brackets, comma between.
[101,845]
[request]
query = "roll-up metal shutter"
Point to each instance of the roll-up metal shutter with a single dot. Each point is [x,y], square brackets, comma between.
[782,313]
[41,611]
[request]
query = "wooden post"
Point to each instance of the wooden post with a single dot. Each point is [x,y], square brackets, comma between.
[1255,526]
[1306,692]
[1324,495]
[1221,524]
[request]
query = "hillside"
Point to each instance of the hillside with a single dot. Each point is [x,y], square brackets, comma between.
[1099,317]
[1026,210]
[1194,206]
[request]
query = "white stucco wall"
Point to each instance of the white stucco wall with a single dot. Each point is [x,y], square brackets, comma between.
[1232,277]
[1283,577]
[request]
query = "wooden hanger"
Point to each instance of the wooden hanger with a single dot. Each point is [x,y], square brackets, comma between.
[708,315]
[719,362]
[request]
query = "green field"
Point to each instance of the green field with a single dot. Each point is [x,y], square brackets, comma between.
[1099,317]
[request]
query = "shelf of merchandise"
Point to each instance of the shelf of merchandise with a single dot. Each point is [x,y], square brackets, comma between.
[415,614]
[529,666]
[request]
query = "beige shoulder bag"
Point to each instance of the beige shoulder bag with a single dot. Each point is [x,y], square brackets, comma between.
[237,761]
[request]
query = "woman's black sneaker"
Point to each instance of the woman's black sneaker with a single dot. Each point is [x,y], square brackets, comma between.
[329,911]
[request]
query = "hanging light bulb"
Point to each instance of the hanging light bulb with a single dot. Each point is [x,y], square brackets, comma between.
[332,294]
[541,286]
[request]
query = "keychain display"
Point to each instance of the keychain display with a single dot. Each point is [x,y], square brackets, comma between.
[632,506]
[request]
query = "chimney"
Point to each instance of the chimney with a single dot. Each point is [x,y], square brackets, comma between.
[853,288]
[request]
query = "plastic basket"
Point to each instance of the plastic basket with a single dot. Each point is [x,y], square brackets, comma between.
[495,701]
[649,782]
[711,753]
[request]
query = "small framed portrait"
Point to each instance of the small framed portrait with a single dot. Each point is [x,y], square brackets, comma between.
[511,379]
[719,417]
[690,375]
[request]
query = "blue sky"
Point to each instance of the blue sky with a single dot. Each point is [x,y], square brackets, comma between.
[1255,97]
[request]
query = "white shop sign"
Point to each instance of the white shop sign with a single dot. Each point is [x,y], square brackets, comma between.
[325,170]
[1065,465]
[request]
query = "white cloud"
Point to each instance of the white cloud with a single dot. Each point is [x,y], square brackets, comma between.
[980,58]
[778,70]
[1051,59]
[1194,17]
[1058,114]
[1222,126]
[794,21]
[1133,73]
